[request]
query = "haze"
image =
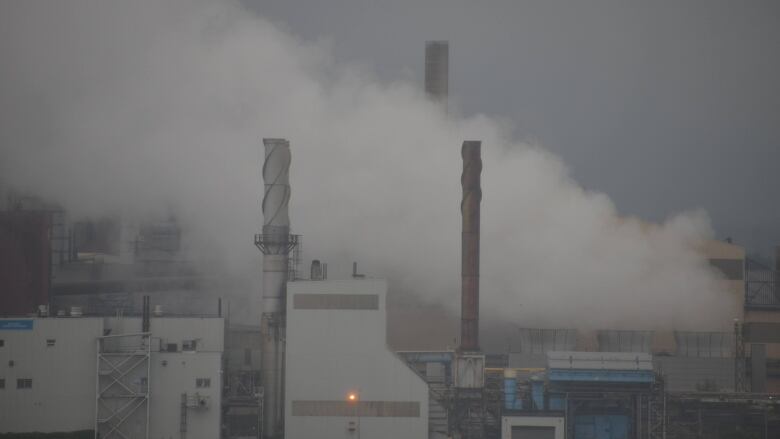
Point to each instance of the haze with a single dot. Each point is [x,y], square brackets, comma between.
[137,107]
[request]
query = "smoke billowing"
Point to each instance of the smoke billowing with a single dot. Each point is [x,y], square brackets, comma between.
[143,107]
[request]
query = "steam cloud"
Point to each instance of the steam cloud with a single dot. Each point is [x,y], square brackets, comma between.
[138,107]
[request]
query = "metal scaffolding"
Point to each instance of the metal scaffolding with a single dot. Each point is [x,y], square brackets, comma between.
[122,386]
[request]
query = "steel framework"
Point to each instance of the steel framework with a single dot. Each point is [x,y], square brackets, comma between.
[122,386]
[761,286]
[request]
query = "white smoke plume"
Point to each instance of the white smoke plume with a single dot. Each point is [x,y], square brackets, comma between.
[137,107]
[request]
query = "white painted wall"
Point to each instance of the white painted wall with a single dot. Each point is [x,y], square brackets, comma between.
[63,393]
[174,373]
[331,352]
[62,397]
[179,375]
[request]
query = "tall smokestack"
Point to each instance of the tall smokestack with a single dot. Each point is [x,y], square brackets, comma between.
[437,70]
[469,208]
[275,242]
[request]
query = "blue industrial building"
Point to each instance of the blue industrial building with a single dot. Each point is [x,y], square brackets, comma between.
[596,395]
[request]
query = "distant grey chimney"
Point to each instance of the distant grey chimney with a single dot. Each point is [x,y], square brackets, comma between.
[437,70]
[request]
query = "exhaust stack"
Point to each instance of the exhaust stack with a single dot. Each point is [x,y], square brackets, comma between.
[469,208]
[276,243]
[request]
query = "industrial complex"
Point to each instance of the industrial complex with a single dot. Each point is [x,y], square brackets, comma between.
[106,331]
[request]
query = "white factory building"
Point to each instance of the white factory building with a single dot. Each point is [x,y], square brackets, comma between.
[341,378]
[65,374]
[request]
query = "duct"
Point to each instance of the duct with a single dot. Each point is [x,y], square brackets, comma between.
[276,244]
[472,196]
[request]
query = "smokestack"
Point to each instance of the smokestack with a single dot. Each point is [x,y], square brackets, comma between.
[469,208]
[276,243]
[276,223]
[437,70]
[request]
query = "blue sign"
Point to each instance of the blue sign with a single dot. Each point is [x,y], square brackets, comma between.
[16,325]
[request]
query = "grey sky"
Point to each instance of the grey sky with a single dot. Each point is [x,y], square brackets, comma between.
[663,105]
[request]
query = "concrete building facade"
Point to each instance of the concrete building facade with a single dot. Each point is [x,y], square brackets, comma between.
[341,379]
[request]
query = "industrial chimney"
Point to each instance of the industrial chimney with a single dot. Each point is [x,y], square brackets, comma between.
[469,207]
[437,74]
[276,243]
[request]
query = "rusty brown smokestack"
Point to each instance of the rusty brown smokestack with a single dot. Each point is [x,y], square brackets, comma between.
[469,208]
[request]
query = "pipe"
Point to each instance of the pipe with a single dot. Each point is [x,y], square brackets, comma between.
[537,394]
[510,389]
[469,207]
[145,313]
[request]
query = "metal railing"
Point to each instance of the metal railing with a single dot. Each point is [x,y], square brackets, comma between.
[275,244]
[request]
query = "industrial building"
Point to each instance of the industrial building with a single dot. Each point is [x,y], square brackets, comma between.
[118,376]
[341,377]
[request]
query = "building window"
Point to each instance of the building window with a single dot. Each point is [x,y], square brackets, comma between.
[2,342]
[202,383]
[50,342]
[247,357]
[2,383]
[24,383]
[188,345]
